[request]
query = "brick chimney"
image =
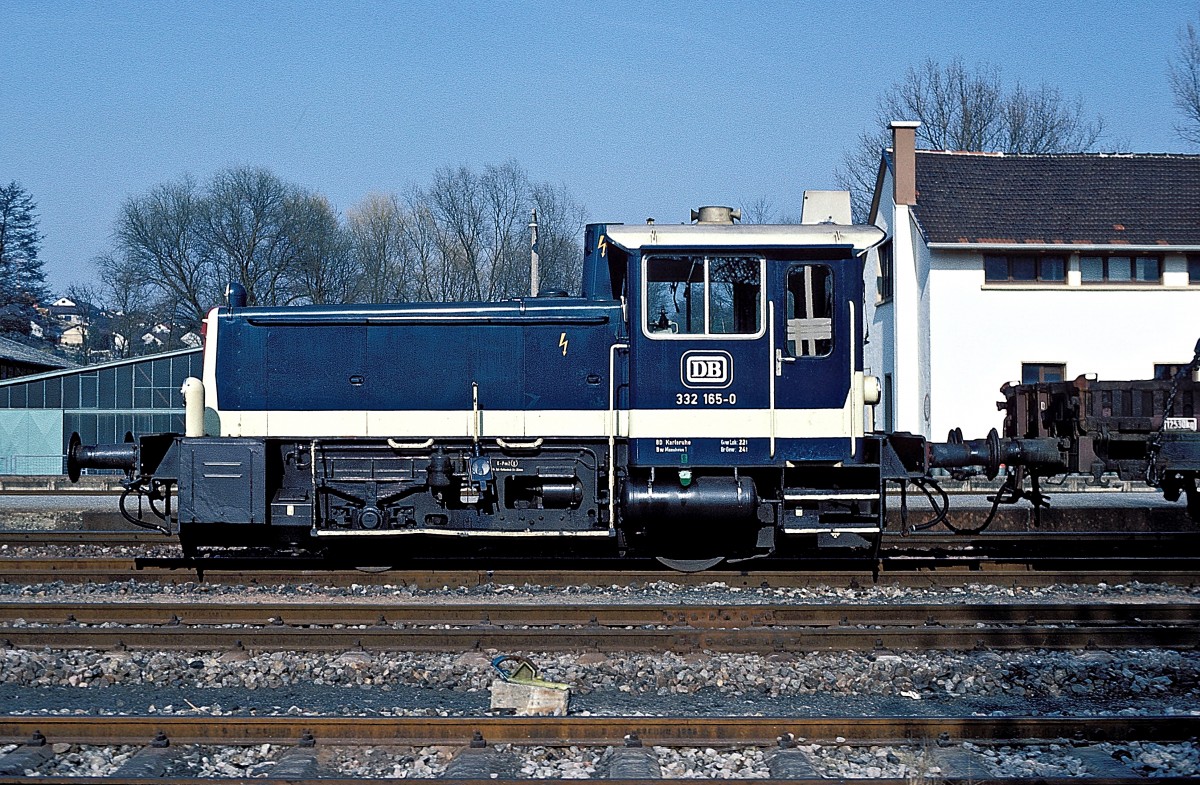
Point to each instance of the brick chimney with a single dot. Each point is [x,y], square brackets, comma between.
[904,160]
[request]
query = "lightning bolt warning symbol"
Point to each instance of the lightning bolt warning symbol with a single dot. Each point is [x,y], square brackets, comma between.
[562,341]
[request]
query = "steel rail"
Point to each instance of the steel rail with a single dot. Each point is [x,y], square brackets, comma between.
[62,538]
[755,640]
[574,730]
[1132,779]
[349,611]
[852,575]
[894,538]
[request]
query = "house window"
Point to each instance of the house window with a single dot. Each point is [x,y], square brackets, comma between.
[1194,270]
[700,295]
[884,282]
[1120,269]
[1025,268]
[1033,373]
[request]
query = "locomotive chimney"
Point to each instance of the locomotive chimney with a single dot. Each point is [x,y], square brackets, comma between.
[714,214]
[904,160]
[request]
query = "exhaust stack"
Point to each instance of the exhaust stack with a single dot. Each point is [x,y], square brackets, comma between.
[716,214]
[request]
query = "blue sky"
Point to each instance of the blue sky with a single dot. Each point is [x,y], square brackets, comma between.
[639,109]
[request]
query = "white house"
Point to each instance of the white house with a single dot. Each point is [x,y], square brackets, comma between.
[74,336]
[1002,267]
[67,310]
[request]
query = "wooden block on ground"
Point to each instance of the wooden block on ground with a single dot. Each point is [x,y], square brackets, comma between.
[529,700]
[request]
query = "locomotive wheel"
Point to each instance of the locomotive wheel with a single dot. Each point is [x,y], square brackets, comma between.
[690,565]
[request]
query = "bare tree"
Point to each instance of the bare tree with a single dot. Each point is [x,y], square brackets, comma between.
[1044,121]
[324,269]
[462,238]
[246,228]
[560,228]
[505,271]
[478,225]
[455,201]
[437,274]
[282,243]
[967,109]
[760,210]
[132,302]
[376,231]
[157,241]
[1184,76]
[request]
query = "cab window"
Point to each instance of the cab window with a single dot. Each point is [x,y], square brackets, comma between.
[703,295]
[810,310]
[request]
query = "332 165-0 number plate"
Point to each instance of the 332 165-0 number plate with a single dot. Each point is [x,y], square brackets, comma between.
[708,398]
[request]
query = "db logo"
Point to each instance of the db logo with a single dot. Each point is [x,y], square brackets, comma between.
[710,369]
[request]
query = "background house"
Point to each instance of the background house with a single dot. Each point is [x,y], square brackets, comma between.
[1003,267]
[66,310]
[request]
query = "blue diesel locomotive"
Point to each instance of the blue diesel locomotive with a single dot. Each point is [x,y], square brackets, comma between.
[703,398]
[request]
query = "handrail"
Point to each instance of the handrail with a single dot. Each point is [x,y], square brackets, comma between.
[613,425]
[395,445]
[771,373]
[533,445]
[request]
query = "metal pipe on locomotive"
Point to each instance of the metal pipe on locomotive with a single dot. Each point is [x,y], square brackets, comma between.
[702,398]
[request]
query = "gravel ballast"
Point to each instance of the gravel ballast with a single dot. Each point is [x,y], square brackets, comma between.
[54,682]
[716,592]
[540,762]
[1136,681]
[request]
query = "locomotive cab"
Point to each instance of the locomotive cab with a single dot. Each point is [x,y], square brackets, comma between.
[745,406]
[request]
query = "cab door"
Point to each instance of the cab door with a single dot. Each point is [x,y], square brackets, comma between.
[700,360]
[815,344]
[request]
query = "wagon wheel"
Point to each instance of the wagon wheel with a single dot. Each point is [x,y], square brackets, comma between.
[690,565]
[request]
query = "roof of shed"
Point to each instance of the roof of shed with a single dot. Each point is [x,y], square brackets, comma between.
[14,351]
[1070,199]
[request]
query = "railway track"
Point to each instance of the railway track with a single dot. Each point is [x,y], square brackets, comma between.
[937,742]
[1185,541]
[331,626]
[913,573]
[352,622]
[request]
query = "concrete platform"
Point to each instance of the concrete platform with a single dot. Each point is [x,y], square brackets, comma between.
[62,512]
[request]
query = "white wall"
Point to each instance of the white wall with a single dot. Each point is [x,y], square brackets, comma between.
[899,328]
[878,317]
[923,262]
[980,335]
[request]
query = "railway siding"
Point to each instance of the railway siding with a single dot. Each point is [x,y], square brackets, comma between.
[623,749]
[829,655]
[610,628]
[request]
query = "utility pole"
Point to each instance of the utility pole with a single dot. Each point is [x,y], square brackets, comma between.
[533,253]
